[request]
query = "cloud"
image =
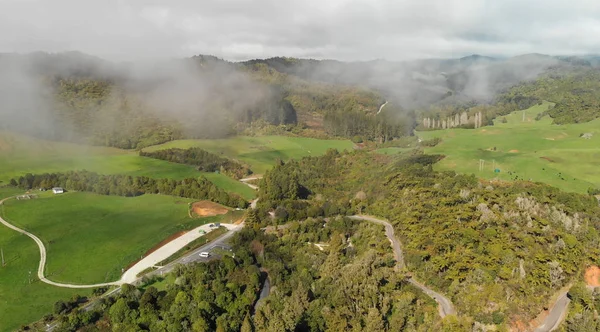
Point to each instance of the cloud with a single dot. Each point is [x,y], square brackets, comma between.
[339,29]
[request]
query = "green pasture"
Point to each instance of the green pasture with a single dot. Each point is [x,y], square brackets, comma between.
[260,152]
[23,298]
[89,238]
[531,149]
[20,155]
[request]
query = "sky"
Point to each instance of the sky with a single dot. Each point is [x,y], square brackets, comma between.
[350,30]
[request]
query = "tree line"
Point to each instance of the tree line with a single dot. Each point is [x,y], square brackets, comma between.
[203,160]
[129,186]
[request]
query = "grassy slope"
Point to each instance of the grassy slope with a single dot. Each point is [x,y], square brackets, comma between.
[261,152]
[20,155]
[20,301]
[89,237]
[532,149]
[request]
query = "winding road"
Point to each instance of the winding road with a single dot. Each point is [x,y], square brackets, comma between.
[445,305]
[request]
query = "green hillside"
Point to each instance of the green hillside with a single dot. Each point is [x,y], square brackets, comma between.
[261,152]
[533,150]
[20,155]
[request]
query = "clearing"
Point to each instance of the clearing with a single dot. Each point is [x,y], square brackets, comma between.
[260,152]
[208,209]
[592,276]
[568,162]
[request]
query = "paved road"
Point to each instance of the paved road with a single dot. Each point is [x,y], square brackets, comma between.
[168,250]
[556,315]
[445,305]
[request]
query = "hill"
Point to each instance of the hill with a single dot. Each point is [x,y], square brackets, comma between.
[78,98]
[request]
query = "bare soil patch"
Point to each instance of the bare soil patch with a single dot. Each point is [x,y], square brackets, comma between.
[592,276]
[208,209]
[513,151]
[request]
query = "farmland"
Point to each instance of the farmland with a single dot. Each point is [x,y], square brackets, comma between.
[260,152]
[533,149]
[90,238]
[20,155]
[20,300]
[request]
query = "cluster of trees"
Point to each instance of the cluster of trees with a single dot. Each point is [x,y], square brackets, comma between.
[350,285]
[124,185]
[202,159]
[582,315]
[498,251]
[214,296]
[380,128]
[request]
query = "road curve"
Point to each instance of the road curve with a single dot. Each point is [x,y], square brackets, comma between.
[556,314]
[445,305]
[42,264]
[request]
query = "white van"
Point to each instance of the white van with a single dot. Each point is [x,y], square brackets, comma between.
[204,254]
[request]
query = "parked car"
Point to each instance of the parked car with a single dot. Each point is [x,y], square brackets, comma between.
[204,254]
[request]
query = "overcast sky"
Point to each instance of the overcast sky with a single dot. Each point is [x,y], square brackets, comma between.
[334,29]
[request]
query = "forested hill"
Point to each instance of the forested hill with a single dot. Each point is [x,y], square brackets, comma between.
[498,250]
[81,98]
[75,97]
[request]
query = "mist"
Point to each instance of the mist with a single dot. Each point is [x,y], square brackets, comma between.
[72,97]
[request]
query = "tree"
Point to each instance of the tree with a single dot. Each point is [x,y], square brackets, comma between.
[247,325]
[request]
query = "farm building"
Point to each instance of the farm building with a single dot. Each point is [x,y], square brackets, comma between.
[58,190]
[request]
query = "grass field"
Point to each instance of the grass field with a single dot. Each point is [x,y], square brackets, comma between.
[261,152]
[530,149]
[20,155]
[20,301]
[90,238]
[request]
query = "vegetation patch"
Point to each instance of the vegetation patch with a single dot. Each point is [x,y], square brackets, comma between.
[260,152]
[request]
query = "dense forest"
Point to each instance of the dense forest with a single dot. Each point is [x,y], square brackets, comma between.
[350,285]
[203,160]
[124,185]
[479,242]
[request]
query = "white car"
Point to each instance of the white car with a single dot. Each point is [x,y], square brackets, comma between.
[204,254]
